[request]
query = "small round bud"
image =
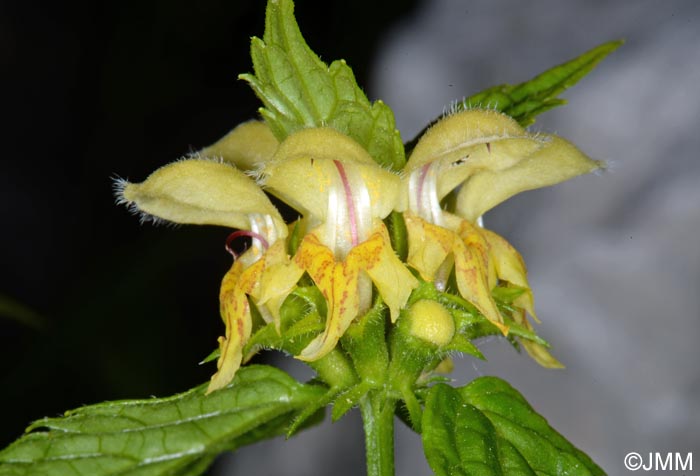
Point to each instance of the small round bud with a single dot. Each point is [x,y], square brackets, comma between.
[431,322]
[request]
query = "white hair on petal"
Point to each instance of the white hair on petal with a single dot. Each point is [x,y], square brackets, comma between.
[118,186]
[197,155]
[606,166]
[257,173]
[460,105]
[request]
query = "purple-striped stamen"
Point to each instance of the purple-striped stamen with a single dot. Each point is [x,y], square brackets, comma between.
[354,237]
[251,234]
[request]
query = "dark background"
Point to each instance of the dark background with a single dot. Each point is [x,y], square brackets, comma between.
[96,90]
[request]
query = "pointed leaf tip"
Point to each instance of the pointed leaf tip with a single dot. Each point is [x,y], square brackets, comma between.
[299,90]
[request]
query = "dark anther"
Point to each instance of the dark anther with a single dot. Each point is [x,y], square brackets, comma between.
[460,161]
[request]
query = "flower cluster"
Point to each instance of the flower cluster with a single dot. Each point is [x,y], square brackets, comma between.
[472,160]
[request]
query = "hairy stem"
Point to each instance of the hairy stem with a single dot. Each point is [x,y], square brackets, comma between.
[378,419]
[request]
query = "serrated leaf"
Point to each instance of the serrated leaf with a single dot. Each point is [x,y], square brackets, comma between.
[299,90]
[545,450]
[458,439]
[487,428]
[176,435]
[526,100]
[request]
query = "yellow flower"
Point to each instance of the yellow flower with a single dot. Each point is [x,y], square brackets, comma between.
[343,195]
[480,157]
[483,157]
[202,191]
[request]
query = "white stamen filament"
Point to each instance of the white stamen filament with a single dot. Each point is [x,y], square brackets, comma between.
[263,225]
[348,219]
[424,201]
[423,197]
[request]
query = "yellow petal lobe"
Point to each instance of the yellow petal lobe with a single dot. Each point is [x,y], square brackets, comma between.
[237,283]
[428,245]
[201,192]
[537,352]
[339,282]
[277,281]
[554,161]
[247,146]
[465,129]
[541,355]
[393,281]
[494,158]
[510,267]
[302,173]
[235,312]
[472,273]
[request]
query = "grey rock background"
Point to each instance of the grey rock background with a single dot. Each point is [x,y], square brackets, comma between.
[613,258]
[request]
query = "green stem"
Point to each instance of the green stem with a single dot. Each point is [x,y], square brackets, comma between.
[378,419]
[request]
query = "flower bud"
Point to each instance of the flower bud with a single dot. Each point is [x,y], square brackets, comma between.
[431,322]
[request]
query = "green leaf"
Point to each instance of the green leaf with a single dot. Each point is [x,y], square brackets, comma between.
[487,428]
[178,435]
[365,342]
[300,322]
[457,438]
[299,90]
[517,330]
[313,408]
[215,354]
[507,294]
[544,448]
[461,343]
[474,325]
[526,100]
[348,399]
[295,237]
